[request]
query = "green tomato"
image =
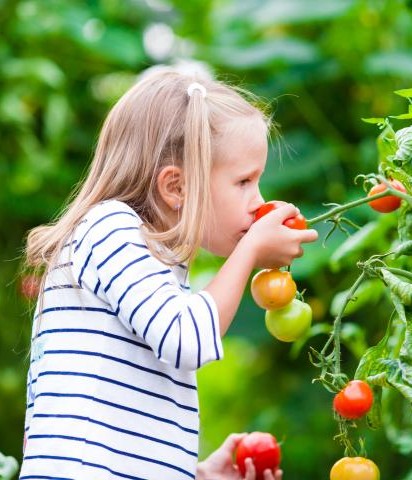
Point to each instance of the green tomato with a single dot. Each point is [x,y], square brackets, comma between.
[289,323]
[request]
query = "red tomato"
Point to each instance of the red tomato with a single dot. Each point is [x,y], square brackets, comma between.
[30,286]
[390,202]
[353,401]
[298,222]
[354,468]
[273,289]
[263,449]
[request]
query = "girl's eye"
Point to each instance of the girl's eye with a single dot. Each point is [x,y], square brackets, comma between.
[244,182]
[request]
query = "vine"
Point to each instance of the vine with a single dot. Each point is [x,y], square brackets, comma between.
[388,364]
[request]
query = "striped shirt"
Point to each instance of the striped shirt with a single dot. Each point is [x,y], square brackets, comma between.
[111,388]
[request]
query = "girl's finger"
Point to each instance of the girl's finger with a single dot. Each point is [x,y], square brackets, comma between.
[250,469]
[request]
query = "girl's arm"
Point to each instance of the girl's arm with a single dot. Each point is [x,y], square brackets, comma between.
[267,244]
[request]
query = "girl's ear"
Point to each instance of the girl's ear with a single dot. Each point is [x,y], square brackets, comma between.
[170,184]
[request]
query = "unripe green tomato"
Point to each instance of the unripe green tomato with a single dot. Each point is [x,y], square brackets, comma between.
[291,322]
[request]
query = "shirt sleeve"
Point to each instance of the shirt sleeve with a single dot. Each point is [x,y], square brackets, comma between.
[112,260]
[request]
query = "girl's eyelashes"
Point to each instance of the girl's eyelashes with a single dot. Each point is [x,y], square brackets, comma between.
[244,182]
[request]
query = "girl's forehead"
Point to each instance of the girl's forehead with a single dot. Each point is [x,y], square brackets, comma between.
[242,141]
[241,126]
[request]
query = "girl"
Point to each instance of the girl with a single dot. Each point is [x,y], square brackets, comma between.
[117,334]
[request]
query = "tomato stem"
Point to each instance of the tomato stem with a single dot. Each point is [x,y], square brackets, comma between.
[360,201]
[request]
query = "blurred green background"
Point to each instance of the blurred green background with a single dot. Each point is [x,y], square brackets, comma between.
[322,65]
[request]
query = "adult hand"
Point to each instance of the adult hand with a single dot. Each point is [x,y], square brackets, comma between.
[219,465]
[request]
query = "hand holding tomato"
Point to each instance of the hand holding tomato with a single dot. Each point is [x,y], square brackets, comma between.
[219,465]
[298,222]
[354,400]
[274,246]
[264,451]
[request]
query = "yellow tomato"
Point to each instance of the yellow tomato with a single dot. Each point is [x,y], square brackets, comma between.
[354,468]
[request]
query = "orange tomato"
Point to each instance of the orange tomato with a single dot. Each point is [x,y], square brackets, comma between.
[272,289]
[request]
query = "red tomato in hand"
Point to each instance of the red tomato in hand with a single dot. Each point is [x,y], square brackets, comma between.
[354,468]
[263,449]
[298,222]
[390,202]
[273,289]
[354,400]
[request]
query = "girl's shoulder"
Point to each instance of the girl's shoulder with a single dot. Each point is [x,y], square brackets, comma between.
[103,217]
[110,207]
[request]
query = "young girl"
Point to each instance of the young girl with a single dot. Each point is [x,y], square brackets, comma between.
[117,334]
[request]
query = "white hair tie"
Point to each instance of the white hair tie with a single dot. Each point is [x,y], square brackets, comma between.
[196,86]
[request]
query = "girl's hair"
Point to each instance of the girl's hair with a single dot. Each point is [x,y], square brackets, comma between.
[156,123]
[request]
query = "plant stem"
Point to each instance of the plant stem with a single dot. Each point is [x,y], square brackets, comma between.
[338,321]
[360,201]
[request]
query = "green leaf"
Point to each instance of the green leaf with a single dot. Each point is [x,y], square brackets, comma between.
[403,116]
[389,63]
[277,12]
[405,92]
[374,120]
[371,235]
[289,51]
[369,292]
[8,467]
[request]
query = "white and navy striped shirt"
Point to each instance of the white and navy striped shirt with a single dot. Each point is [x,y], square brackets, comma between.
[112,381]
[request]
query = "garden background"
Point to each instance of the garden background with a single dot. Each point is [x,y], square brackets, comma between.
[322,65]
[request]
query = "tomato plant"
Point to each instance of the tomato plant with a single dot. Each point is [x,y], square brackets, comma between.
[263,449]
[291,322]
[354,400]
[354,468]
[388,203]
[273,288]
[298,222]
[387,365]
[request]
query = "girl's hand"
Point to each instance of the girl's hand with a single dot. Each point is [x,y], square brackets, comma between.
[219,465]
[273,244]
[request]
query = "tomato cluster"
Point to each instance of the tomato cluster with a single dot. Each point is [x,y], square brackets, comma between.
[263,449]
[287,318]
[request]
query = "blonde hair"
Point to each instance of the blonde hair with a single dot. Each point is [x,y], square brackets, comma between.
[154,124]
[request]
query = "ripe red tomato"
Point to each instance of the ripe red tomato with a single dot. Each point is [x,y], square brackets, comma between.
[263,449]
[298,222]
[354,400]
[354,468]
[390,202]
[289,323]
[30,286]
[273,289]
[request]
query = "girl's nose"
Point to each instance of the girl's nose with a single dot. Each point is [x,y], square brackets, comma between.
[258,201]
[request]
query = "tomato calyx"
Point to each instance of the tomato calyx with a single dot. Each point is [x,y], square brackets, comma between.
[354,400]
[388,203]
[298,222]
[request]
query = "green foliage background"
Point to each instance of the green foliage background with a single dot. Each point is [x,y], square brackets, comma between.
[322,65]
